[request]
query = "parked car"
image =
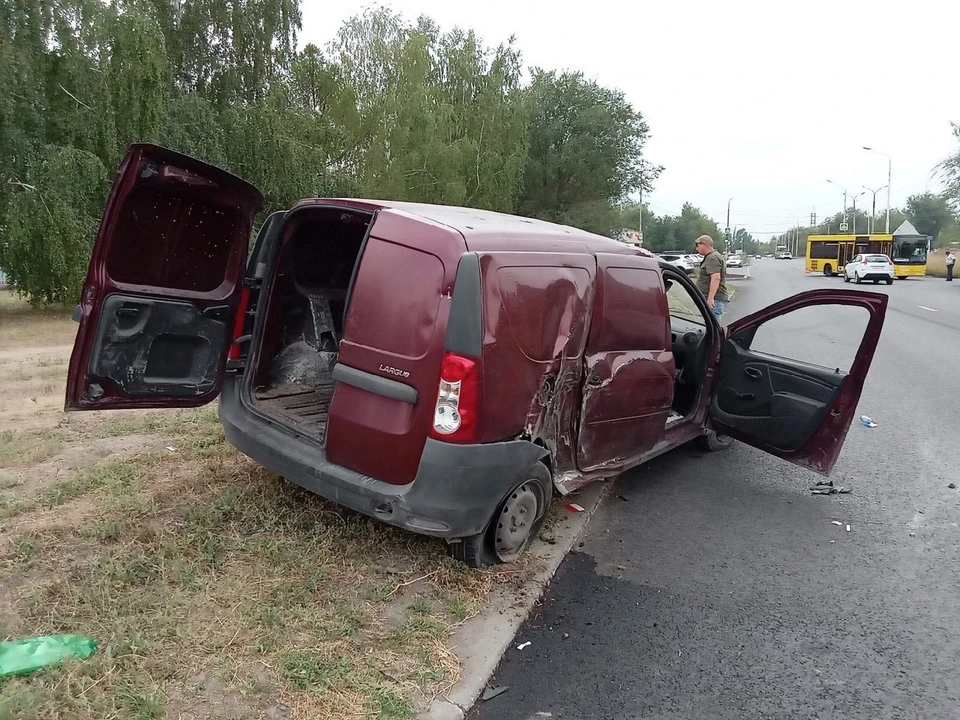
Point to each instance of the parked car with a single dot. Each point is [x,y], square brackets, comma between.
[869,267]
[678,261]
[443,369]
[734,261]
[694,259]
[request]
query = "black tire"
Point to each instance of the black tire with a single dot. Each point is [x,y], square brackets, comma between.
[857,279]
[499,542]
[846,278]
[712,442]
[828,270]
[889,281]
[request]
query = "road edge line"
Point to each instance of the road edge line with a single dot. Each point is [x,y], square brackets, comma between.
[485,638]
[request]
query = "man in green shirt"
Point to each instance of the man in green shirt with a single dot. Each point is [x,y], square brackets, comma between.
[711,277]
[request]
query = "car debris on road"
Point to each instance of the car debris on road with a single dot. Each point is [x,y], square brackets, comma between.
[826,487]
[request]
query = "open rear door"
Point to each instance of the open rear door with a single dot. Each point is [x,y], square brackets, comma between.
[794,410]
[157,309]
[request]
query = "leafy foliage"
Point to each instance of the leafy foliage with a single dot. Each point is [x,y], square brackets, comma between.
[50,226]
[390,109]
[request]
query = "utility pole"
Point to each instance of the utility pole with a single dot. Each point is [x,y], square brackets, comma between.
[889,172]
[844,198]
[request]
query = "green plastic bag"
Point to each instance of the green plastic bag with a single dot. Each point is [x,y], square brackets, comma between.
[21,657]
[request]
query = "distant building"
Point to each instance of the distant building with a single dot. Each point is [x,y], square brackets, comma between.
[3,279]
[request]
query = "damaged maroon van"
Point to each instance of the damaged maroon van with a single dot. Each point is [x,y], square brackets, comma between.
[442,369]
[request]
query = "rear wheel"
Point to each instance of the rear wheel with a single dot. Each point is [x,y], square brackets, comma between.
[857,278]
[846,278]
[713,442]
[889,281]
[513,527]
[828,270]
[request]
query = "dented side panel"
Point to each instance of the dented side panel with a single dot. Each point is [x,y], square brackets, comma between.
[630,367]
[536,313]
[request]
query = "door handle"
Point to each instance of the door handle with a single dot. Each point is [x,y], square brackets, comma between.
[752,373]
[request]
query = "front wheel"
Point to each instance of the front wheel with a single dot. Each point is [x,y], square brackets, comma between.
[513,527]
[713,442]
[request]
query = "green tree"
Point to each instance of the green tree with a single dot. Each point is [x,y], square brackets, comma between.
[585,152]
[929,214]
[51,226]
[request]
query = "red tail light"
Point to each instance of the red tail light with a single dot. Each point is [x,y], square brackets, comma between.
[239,323]
[456,417]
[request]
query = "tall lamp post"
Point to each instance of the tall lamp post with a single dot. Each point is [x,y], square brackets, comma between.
[873,210]
[889,172]
[854,198]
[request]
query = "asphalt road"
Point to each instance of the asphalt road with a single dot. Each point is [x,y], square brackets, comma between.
[720,588]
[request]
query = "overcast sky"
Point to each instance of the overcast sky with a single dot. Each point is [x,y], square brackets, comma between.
[758,101]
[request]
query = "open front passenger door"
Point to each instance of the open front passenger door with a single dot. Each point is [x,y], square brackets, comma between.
[163,285]
[794,410]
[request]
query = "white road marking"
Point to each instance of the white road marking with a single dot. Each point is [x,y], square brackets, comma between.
[924,307]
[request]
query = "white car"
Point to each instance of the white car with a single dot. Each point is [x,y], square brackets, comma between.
[678,260]
[785,256]
[735,261]
[869,267]
[694,259]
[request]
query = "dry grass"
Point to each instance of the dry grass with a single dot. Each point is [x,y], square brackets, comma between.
[215,589]
[937,264]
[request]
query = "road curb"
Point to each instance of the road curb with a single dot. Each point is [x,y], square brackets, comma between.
[481,642]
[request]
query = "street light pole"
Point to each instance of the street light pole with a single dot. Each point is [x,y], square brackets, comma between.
[889,173]
[873,209]
[854,198]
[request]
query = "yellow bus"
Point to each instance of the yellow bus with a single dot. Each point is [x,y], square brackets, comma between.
[829,254]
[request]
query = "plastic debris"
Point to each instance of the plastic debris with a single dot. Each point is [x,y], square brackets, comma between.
[836,522]
[21,657]
[527,644]
[493,691]
[621,497]
[848,528]
[171,448]
[867,421]
[952,486]
[828,488]
[573,507]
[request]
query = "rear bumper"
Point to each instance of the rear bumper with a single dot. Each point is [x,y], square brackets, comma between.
[455,493]
[877,276]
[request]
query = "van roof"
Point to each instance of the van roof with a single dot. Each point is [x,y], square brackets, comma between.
[485,230]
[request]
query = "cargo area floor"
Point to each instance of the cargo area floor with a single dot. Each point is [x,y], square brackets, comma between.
[304,409]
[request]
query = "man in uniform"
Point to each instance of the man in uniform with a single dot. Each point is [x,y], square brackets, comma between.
[712,275]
